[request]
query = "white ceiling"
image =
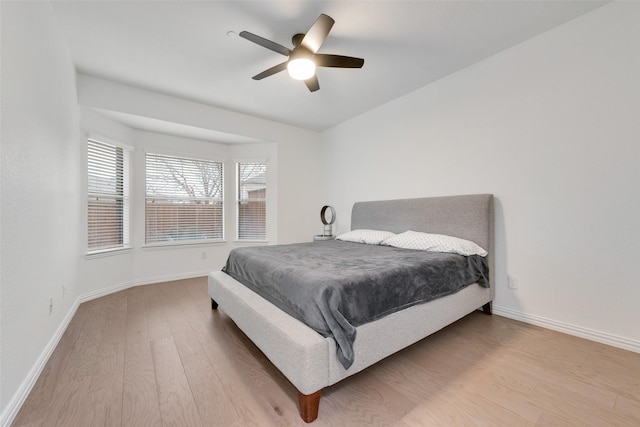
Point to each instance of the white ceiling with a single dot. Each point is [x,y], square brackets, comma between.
[181,48]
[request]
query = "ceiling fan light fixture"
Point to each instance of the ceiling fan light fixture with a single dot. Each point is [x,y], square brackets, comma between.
[304,57]
[301,68]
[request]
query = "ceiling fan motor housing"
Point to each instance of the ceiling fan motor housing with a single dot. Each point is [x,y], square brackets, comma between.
[297,39]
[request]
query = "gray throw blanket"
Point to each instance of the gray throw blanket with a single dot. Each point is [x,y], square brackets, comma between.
[335,286]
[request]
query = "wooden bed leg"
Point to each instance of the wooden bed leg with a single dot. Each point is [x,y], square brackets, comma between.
[487,308]
[214,305]
[309,404]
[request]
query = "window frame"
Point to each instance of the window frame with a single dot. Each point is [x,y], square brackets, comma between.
[239,200]
[124,242]
[221,200]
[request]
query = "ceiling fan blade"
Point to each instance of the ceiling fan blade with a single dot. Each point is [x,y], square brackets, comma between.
[339,61]
[319,31]
[265,43]
[312,83]
[271,71]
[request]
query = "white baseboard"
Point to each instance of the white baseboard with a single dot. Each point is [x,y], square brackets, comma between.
[578,331]
[23,391]
[10,412]
[148,281]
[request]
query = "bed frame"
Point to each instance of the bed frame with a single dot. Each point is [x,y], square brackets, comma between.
[309,360]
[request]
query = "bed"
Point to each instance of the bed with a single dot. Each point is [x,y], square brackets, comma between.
[309,359]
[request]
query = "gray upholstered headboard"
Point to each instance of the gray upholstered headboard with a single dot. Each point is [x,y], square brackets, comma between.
[468,217]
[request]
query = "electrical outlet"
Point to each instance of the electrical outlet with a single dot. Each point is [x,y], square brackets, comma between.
[64,291]
[50,304]
[513,282]
[204,255]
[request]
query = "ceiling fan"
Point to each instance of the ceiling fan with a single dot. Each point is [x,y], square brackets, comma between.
[303,58]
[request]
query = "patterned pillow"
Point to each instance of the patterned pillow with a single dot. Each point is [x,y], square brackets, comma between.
[371,237]
[434,243]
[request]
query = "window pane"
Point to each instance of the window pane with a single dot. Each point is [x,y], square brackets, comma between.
[105,168]
[105,223]
[183,199]
[252,201]
[107,198]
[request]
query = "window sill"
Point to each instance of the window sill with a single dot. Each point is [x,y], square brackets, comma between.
[108,252]
[181,245]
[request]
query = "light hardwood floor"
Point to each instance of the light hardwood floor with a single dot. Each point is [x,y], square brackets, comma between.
[158,355]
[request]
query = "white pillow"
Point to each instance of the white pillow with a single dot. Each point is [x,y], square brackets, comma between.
[434,243]
[371,237]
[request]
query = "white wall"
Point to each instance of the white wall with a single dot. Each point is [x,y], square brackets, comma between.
[298,150]
[292,202]
[551,127]
[44,183]
[40,199]
[298,198]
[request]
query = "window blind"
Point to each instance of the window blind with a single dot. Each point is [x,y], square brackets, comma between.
[108,198]
[252,201]
[183,200]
